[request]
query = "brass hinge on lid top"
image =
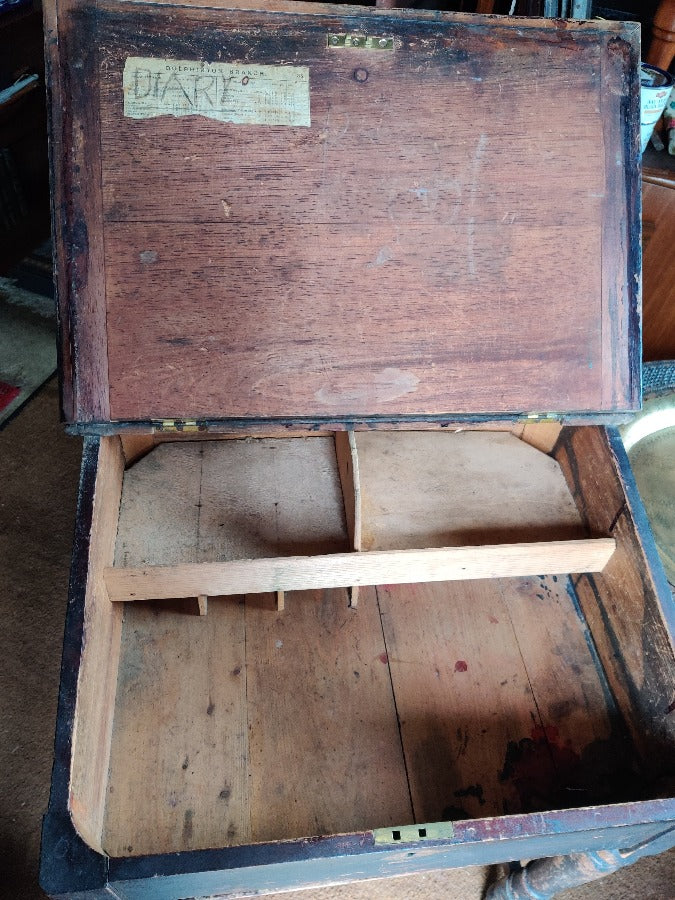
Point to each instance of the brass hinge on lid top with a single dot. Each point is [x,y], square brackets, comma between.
[182,425]
[409,834]
[360,42]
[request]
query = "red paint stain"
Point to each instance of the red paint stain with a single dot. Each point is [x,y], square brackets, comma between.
[494,620]
[383,658]
[545,733]
[461,666]
[8,392]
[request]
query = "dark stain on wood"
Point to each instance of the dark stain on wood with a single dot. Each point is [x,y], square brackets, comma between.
[545,770]
[473,790]
[454,814]
[187,827]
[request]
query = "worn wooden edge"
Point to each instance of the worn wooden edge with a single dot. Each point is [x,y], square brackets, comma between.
[655,574]
[619,614]
[72,83]
[55,126]
[351,857]
[659,178]
[347,458]
[99,661]
[620,493]
[302,8]
[293,573]
[281,425]
[658,168]
[621,262]
[350,481]
[67,863]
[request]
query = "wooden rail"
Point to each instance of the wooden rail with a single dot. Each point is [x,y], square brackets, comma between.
[252,576]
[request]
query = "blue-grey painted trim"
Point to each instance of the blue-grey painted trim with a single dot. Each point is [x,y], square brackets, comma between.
[521,826]
[245,882]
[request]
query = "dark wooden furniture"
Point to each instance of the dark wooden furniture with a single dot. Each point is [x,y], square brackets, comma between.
[662,46]
[658,222]
[658,215]
[24,202]
[327,306]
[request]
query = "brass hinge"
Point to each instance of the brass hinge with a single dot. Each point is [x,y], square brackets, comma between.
[184,425]
[360,42]
[413,834]
[543,417]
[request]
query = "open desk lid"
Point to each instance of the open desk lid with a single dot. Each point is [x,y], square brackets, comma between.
[332,213]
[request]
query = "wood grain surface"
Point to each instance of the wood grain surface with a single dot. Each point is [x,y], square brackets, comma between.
[75,171]
[325,754]
[446,700]
[435,489]
[229,726]
[581,724]
[297,573]
[462,694]
[99,668]
[626,608]
[436,242]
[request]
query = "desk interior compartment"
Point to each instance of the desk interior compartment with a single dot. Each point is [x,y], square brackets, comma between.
[431,701]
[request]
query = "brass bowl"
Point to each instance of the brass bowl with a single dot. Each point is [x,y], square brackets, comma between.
[649,440]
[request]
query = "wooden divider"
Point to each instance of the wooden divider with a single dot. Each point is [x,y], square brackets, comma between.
[419,507]
[347,457]
[297,573]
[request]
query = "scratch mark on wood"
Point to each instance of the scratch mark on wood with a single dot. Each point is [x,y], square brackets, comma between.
[473,195]
[389,384]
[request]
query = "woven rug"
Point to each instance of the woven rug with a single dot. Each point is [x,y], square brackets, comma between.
[27,332]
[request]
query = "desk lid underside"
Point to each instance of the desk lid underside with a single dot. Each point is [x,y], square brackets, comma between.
[447,226]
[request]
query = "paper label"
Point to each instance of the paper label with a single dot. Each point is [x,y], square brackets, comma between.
[243,94]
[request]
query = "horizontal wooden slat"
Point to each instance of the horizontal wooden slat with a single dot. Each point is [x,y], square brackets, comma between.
[254,576]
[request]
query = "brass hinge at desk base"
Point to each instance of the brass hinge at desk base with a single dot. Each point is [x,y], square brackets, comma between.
[414,834]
